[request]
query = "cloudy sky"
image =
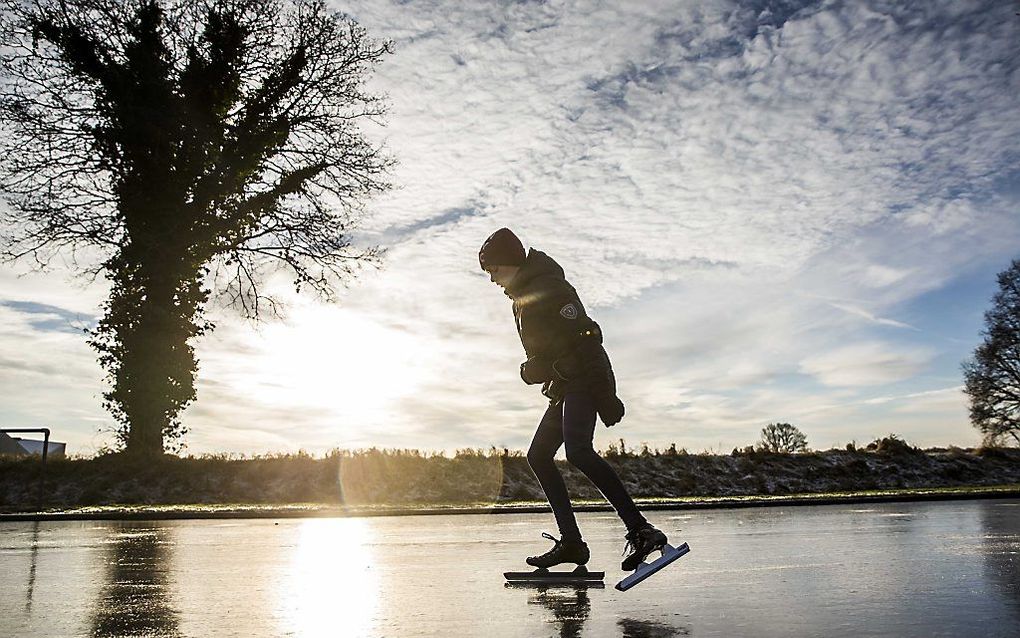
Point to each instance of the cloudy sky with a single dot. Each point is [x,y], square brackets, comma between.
[777,211]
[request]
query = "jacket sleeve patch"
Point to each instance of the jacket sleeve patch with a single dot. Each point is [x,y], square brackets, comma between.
[569,311]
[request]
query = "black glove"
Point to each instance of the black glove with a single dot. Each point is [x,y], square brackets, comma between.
[536,370]
[603,389]
[610,409]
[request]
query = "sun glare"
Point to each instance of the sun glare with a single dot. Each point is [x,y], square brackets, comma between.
[330,588]
[338,362]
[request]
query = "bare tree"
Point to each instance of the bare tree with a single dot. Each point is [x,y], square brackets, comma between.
[992,376]
[782,437]
[187,148]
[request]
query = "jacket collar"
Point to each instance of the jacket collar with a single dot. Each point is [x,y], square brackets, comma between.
[536,264]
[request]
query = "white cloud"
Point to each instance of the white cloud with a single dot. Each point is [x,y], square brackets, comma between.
[738,194]
[868,363]
[48,375]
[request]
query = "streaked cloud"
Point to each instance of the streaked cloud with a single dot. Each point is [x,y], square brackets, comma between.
[45,317]
[867,363]
[861,312]
[750,197]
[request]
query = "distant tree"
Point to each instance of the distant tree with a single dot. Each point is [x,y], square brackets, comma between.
[185,149]
[992,376]
[782,437]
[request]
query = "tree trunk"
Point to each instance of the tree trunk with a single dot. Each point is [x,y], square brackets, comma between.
[146,332]
[148,371]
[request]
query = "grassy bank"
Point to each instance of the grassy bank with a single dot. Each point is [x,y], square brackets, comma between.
[312,510]
[392,480]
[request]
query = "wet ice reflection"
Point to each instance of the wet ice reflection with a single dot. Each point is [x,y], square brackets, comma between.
[134,599]
[914,569]
[33,561]
[330,587]
[569,608]
[1001,553]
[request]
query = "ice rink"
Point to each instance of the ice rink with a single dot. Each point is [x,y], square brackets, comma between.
[912,569]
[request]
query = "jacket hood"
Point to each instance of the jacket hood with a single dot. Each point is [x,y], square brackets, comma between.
[537,264]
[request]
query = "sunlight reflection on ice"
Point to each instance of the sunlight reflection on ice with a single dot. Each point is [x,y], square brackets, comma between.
[330,587]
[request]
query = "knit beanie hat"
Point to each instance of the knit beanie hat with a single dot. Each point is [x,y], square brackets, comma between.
[502,248]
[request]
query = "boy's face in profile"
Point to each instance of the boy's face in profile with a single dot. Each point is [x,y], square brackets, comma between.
[502,275]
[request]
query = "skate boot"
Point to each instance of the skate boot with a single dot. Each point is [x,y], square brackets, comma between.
[562,552]
[641,541]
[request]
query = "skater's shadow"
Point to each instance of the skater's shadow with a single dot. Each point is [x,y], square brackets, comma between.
[570,607]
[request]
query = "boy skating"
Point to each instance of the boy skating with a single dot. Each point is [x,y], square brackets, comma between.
[565,354]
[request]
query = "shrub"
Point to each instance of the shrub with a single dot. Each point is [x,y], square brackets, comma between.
[892,445]
[615,450]
[673,451]
[990,452]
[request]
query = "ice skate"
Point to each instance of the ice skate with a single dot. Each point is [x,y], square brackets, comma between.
[641,542]
[562,552]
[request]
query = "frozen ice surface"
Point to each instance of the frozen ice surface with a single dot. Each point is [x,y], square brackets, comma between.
[913,569]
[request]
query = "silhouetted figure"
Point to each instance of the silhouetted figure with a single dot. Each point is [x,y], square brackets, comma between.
[565,354]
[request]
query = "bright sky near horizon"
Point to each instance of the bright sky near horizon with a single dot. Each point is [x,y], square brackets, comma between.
[777,211]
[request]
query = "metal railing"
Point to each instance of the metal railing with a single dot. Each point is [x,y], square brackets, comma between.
[45,431]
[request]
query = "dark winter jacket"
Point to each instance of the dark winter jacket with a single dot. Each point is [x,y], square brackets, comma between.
[562,344]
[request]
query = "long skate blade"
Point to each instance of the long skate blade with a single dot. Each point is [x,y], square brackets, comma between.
[546,577]
[644,570]
[550,584]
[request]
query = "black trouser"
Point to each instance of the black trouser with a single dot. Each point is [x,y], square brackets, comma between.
[573,422]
